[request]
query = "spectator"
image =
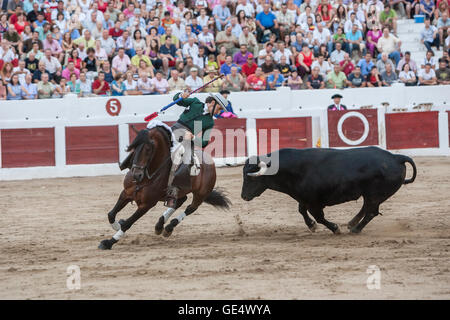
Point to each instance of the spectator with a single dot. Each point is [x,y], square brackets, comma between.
[336,78]
[294,81]
[427,76]
[109,73]
[355,40]
[121,62]
[52,64]
[338,54]
[286,20]
[427,8]
[249,67]
[190,48]
[159,83]
[407,60]
[336,103]
[429,35]
[193,81]
[228,40]
[221,14]
[267,51]
[6,53]
[248,39]
[228,107]
[118,86]
[85,85]
[234,81]
[256,81]
[215,86]
[226,67]
[383,62]
[388,18]
[321,36]
[14,89]
[407,76]
[443,24]
[241,56]
[315,80]
[21,71]
[69,70]
[429,58]
[3,91]
[86,40]
[74,85]
[90,62]
[443,73]
[266,20]
[206,39]
[136,60]
[340,37]
[322,64]
[131,85]
[347,65]
[45,88]
[283,52]
[61,89]
[389,76]
[372,38]
[389,44]
[275,79]
[268,66]
[100,86]
[356,79]
[176,83]
[304,60]
[374,79]
[168,52]
[284,67]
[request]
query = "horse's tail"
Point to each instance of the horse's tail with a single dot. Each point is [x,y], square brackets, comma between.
[218,199]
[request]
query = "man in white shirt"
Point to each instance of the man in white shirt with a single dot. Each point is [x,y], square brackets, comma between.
[52,64]
[302,18]
[267,51]
[322,64]
[85,85]
[337,55]
[390,44]
[350,22]
[178,29]
[193,81]
[282,51]
[190,49]
[246,6]
[322,35]
[144,84]
[21,71]
[427,76]
[6,53]
[108,43]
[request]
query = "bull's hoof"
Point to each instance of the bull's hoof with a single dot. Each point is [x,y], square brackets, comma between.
[159,227]
[313,227]
[105,245]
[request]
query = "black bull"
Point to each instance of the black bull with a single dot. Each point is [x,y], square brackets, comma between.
[317,178]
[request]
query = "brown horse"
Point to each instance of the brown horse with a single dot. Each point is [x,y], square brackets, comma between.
[146,184]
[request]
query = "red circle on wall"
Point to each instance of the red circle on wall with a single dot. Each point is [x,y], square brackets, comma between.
[113,107]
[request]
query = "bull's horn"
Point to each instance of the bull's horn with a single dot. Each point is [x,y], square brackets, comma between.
[261,171]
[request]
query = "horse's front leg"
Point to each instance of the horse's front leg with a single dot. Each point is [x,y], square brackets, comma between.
[120,204]
[124,226]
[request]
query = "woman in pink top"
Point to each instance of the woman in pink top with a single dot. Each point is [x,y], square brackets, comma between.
[372,38]
[159,83]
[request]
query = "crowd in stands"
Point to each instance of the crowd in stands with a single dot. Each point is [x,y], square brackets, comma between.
[49,48]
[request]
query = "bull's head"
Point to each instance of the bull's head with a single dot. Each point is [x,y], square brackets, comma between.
[253,174]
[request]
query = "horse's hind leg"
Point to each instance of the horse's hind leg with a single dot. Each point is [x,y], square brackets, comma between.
[124,226]
[197,200]
[159,227]
[120,204]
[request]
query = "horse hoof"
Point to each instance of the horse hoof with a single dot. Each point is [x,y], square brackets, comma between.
[313,227]
[116,226]
[355,230]
[159,227]
[105,245]
[166,233]
[337,230]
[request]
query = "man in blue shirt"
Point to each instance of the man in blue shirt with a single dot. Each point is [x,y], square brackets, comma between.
[429,35]
[354,39]
[222,14]
[366,64]
[266,20]
[226,67]
[275,79]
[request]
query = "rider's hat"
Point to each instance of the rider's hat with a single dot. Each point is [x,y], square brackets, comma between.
[221,101]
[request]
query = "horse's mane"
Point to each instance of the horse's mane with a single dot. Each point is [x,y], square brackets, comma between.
[142,137]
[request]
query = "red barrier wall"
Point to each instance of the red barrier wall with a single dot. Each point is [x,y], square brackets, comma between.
[28,147]
[352,128]
[412,130]
[88,145]
[293,133]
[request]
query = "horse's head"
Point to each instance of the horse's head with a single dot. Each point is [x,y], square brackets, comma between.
[144,149]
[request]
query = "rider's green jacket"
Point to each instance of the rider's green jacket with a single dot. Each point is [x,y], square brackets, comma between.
[196,113]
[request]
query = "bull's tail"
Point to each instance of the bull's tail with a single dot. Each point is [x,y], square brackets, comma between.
[218,199]
[404,159]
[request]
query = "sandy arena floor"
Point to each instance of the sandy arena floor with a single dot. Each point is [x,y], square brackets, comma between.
[259,249]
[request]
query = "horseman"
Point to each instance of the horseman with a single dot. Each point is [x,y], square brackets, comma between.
[191,129]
